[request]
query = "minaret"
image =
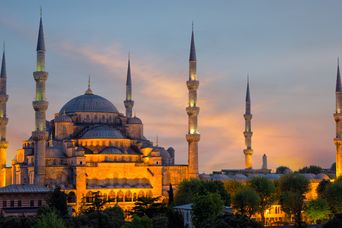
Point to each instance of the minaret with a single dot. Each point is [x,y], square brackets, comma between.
[338,120]
[192,110]
[40,105]
[129,102]
[3,115]
[264,162]
[248,130]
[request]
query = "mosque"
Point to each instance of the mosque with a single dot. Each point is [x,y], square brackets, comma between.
[91,147]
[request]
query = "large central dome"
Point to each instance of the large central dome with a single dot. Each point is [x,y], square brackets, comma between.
[88,103]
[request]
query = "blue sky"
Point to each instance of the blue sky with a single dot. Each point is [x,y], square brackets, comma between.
[289,48]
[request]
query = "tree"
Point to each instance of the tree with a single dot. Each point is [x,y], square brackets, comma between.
[283,170]
[292,195]
[333,195]
[188,189]
[246,201]
[206,207]
[311,169]
[321,188]
[139,222]
[50,219]
[171,197]
[175,219]
[232,186]
[149,207]
[266,191]
[58,200]
[317,209]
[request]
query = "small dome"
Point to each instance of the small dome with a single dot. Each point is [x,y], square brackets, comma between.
[88,103]
[240,176]
[309,176]
[102,132]
[63,118]
[134,120]
[322,176]
[273,176]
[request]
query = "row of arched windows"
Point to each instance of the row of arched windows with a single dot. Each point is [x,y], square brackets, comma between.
[119,196]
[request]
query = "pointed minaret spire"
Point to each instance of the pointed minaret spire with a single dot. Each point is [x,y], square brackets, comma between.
[3,63]
[192,56]
[129,102]
[248,98]
[338,78]
[89,91]
[41,41]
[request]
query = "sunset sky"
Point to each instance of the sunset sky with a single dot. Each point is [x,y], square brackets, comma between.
[289,49]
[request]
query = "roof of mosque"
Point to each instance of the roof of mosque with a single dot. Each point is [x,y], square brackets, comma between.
[103,131]
[88,103]
[24,188]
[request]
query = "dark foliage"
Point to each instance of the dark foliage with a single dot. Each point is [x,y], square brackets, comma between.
[58,200]
[188,189]
[149,207]
[17,222]
[311,169]
[232,221]
[335,222]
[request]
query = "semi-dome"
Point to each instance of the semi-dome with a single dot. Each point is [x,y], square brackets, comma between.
[102,132]
[88,103]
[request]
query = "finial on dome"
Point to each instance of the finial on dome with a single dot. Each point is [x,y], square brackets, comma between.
[89,91]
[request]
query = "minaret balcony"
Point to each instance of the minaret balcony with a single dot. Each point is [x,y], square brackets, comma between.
[195,137]
[128,103]
[248,116]
[337,116]
[3,98]
[3,121]
[3,144]
[192,84]
[248,151]
[40,75]
[40,105]
[40,135]
[192,111]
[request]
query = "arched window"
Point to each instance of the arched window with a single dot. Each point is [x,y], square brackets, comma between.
[120,196]
[134,196]
[111,196]
[71,197]
[141,194]
[149,194]
[128,196]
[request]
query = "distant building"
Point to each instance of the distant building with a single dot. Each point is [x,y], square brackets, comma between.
[22,200]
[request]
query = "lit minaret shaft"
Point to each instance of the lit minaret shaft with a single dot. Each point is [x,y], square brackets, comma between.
[338,120]
[40,105]
[129,102]
[248,130]
[192,110]
[3,115]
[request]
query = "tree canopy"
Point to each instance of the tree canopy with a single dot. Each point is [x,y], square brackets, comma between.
[283,170]
[292,194]
[246,201]
[317,209]
[206,207]
[311,169]
[266,191]
[188,189]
